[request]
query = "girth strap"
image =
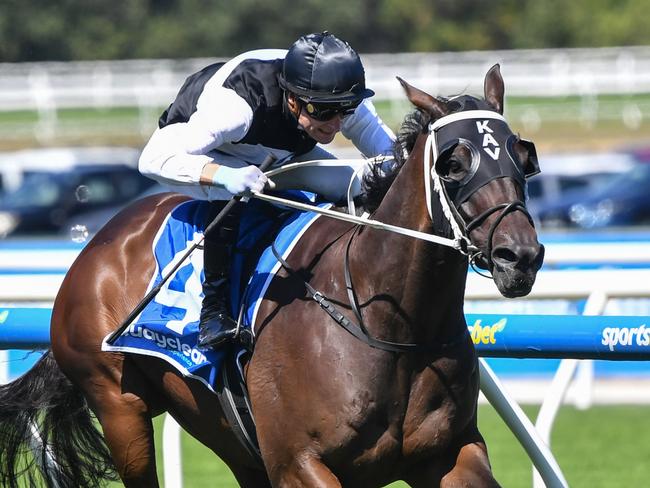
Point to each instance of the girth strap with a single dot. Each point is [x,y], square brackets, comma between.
[233,397]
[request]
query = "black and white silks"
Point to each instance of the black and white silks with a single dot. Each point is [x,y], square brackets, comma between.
[234,114]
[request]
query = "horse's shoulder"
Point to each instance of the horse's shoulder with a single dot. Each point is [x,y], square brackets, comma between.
[323,236]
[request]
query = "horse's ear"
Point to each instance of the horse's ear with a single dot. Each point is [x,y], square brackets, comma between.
[494,88]
[426,102]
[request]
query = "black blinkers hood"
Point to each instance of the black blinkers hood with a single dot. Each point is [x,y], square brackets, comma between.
[490,141]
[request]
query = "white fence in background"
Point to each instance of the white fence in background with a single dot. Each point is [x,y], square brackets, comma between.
[35,275]
[149,84]
[154,82]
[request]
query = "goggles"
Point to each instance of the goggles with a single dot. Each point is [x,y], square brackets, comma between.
[327,111]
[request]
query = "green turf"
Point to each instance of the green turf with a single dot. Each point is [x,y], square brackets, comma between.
[602,447]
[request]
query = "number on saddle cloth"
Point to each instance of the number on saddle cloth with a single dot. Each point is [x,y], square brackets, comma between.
[168,326]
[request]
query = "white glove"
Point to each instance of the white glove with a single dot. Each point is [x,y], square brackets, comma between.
[241,180]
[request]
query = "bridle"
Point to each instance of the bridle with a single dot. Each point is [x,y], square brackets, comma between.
[482,259]
[434,184]
[482,171]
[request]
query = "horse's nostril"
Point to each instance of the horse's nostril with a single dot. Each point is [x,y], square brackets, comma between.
[504,255]
[522,255]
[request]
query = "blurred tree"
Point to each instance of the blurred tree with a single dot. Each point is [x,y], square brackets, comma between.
[614,23]
[581,23]
[96,29]
[224,28]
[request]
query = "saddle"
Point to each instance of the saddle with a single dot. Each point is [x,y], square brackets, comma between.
[167,328]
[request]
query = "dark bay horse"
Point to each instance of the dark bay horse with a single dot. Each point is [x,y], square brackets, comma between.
[331,411]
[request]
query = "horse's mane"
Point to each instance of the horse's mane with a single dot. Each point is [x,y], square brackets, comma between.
[379,179]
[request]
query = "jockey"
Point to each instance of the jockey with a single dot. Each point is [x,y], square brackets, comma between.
[229,117]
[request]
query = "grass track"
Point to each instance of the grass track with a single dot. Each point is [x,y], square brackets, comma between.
[603,447]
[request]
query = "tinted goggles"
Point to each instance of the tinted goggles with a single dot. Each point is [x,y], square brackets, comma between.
[327,111]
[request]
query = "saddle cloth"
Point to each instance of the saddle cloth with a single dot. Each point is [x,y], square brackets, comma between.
[168,326]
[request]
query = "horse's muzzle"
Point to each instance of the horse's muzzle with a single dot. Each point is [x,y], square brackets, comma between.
[515,266]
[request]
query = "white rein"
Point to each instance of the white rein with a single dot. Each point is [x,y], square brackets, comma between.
[375,224]
[458,242]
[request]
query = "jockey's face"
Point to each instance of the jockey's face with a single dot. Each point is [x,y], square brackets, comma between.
[322,131]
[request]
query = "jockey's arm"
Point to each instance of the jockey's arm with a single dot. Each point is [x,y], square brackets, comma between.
[330,182]
[181,155]
[368,132]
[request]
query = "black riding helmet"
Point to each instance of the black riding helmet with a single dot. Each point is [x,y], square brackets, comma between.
[321,68]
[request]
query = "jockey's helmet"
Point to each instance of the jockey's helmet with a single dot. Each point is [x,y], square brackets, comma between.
[323,69]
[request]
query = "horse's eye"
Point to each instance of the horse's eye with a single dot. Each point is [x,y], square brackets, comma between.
[445,167]
[455,167]
[451,168]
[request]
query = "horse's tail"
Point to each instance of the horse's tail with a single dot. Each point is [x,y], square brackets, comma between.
[71,452]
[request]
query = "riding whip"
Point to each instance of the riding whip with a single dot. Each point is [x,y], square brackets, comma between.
[268,161]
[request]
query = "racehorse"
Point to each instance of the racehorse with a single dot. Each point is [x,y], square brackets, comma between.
[331,410]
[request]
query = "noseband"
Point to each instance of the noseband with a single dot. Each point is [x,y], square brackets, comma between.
[484,260]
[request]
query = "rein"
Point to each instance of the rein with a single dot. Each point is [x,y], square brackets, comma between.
[358,330]
[458,244]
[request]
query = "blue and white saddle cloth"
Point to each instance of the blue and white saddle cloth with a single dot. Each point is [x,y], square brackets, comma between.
[168,326]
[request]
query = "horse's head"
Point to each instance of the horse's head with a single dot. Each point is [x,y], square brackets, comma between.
[477,168]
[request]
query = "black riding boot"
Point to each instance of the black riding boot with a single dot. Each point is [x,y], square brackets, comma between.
[216,326]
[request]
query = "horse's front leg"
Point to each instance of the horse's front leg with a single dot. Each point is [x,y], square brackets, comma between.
[465,465]
[304,471]
[471,468]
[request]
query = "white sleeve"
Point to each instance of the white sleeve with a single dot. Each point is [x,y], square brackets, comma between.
[367,131]
[176,154]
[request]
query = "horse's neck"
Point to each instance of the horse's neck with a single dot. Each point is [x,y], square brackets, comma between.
[425,280]
[404,203]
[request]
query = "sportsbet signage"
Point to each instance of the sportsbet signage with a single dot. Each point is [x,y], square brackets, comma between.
[560,336]
[486,333]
